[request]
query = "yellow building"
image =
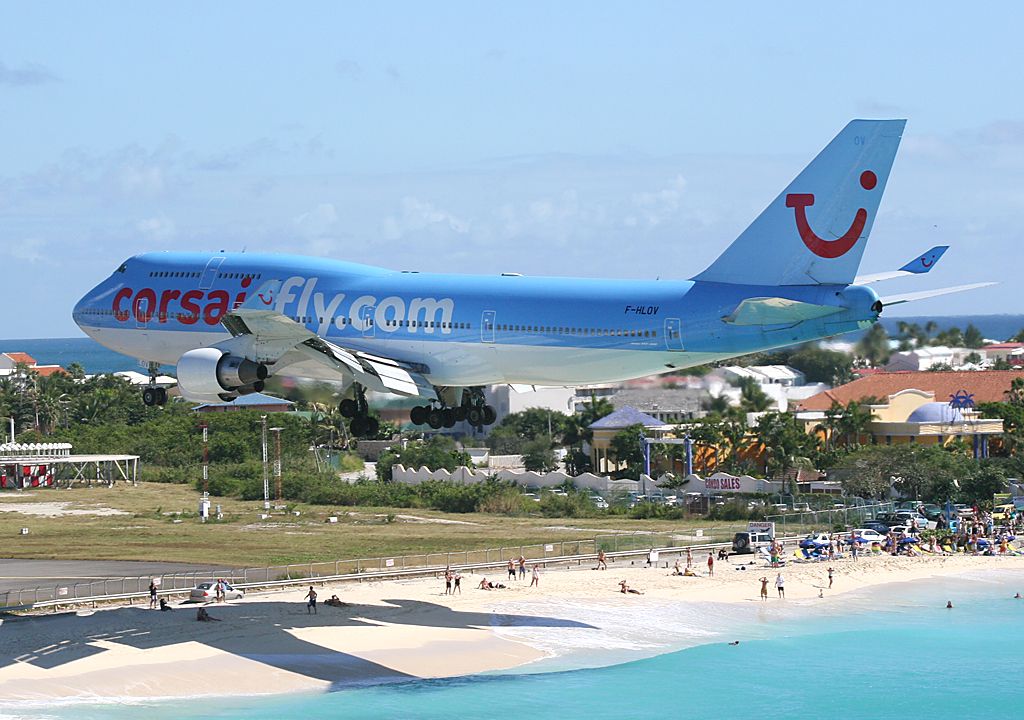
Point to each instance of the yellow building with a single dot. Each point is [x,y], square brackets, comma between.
[914,416]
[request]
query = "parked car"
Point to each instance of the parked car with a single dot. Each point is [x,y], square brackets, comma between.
[207,591]
[599,502]
[878,526]
[532,496]
[870,535]
[749,542]
[1002,513]
[909,517]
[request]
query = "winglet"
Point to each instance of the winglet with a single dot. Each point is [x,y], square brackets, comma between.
[924,263]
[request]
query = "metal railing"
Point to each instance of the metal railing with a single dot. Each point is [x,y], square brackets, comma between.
[366,568]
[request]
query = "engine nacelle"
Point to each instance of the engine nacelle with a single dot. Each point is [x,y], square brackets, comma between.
[207,373]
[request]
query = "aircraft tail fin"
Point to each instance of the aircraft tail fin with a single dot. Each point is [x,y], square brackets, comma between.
[815,231]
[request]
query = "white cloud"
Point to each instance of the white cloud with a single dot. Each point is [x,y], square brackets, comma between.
[157,228]
[318,221]
[416,214]
[658,206]
[30,250]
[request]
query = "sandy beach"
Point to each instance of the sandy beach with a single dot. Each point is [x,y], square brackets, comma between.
[398,630]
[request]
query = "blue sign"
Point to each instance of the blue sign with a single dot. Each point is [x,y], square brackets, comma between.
[961,400]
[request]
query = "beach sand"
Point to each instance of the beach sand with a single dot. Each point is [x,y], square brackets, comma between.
[393,631]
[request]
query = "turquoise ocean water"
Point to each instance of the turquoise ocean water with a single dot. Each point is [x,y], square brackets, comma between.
[891,652]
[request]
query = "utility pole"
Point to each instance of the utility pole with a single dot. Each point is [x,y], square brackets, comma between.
[277,461]
[206,458]
[266,480]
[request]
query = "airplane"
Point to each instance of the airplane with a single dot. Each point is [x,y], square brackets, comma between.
[228,321]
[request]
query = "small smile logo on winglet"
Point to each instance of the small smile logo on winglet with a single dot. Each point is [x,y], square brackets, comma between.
[829,248]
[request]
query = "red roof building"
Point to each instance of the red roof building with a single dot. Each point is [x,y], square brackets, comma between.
[984,385]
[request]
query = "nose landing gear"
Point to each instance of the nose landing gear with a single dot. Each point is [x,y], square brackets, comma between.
[151,394]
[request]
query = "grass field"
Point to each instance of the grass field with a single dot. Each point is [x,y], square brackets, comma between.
[148,530]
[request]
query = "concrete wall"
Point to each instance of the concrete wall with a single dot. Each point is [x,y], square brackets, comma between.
[588,481]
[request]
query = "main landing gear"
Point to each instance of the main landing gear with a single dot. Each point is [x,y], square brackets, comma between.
[473,410]
[151,394]
[362,424]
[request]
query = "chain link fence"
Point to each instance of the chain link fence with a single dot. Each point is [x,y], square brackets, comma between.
[804,523]
[182,582]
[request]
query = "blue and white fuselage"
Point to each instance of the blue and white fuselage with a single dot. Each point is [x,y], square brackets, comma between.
[464,330]
[230,320]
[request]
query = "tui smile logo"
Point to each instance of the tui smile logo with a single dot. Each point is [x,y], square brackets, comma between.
[829,248]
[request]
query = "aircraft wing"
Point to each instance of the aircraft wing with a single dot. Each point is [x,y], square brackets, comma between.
[918,266]
[922,294]
[265,335]
[777,311]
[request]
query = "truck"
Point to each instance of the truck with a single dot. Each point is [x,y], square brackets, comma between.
[757,535]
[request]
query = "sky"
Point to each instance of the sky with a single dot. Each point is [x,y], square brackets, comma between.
[593,139]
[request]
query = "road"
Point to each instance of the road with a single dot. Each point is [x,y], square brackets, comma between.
[20,574]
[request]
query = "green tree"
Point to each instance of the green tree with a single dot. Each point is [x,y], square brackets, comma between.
[826,366]
[752,397]
[539,456]
[786,444]
[625,448]
[436,453]
[979,486]
[973,337]
[874,346]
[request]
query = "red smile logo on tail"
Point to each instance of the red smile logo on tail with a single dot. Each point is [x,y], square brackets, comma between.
[829,248]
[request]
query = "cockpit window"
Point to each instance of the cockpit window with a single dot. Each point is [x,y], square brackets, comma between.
[123,267]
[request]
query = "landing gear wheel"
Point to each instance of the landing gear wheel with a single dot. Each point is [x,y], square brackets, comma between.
[161,396]
[434,419]
[475,416]
[359,425]
[372,427]
[150,396]
[490,415]
[418,415]
[348,408]
[448,418]
[460,413]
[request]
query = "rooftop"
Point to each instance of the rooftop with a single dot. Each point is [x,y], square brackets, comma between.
[624,418]
[984,385]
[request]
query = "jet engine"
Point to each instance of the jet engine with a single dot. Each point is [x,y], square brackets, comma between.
[209,374]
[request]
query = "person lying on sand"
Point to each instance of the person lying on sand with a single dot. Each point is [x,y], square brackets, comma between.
[203,616]
[335,601]
[164,605]
[624,588]
[486,585]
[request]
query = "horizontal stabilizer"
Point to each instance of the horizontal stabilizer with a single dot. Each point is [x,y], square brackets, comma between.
[918,266]
[777,311]
[923,294]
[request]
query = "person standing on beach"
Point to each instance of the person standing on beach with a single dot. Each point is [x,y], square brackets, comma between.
[764,588]
[152,594]
[830,571]
[447,581]
[711,565]
[689,559]
[311,598]
[522,567]
[602,562]
[218,592]
[780,585]
[458,586]
[536,576]
[511,570]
